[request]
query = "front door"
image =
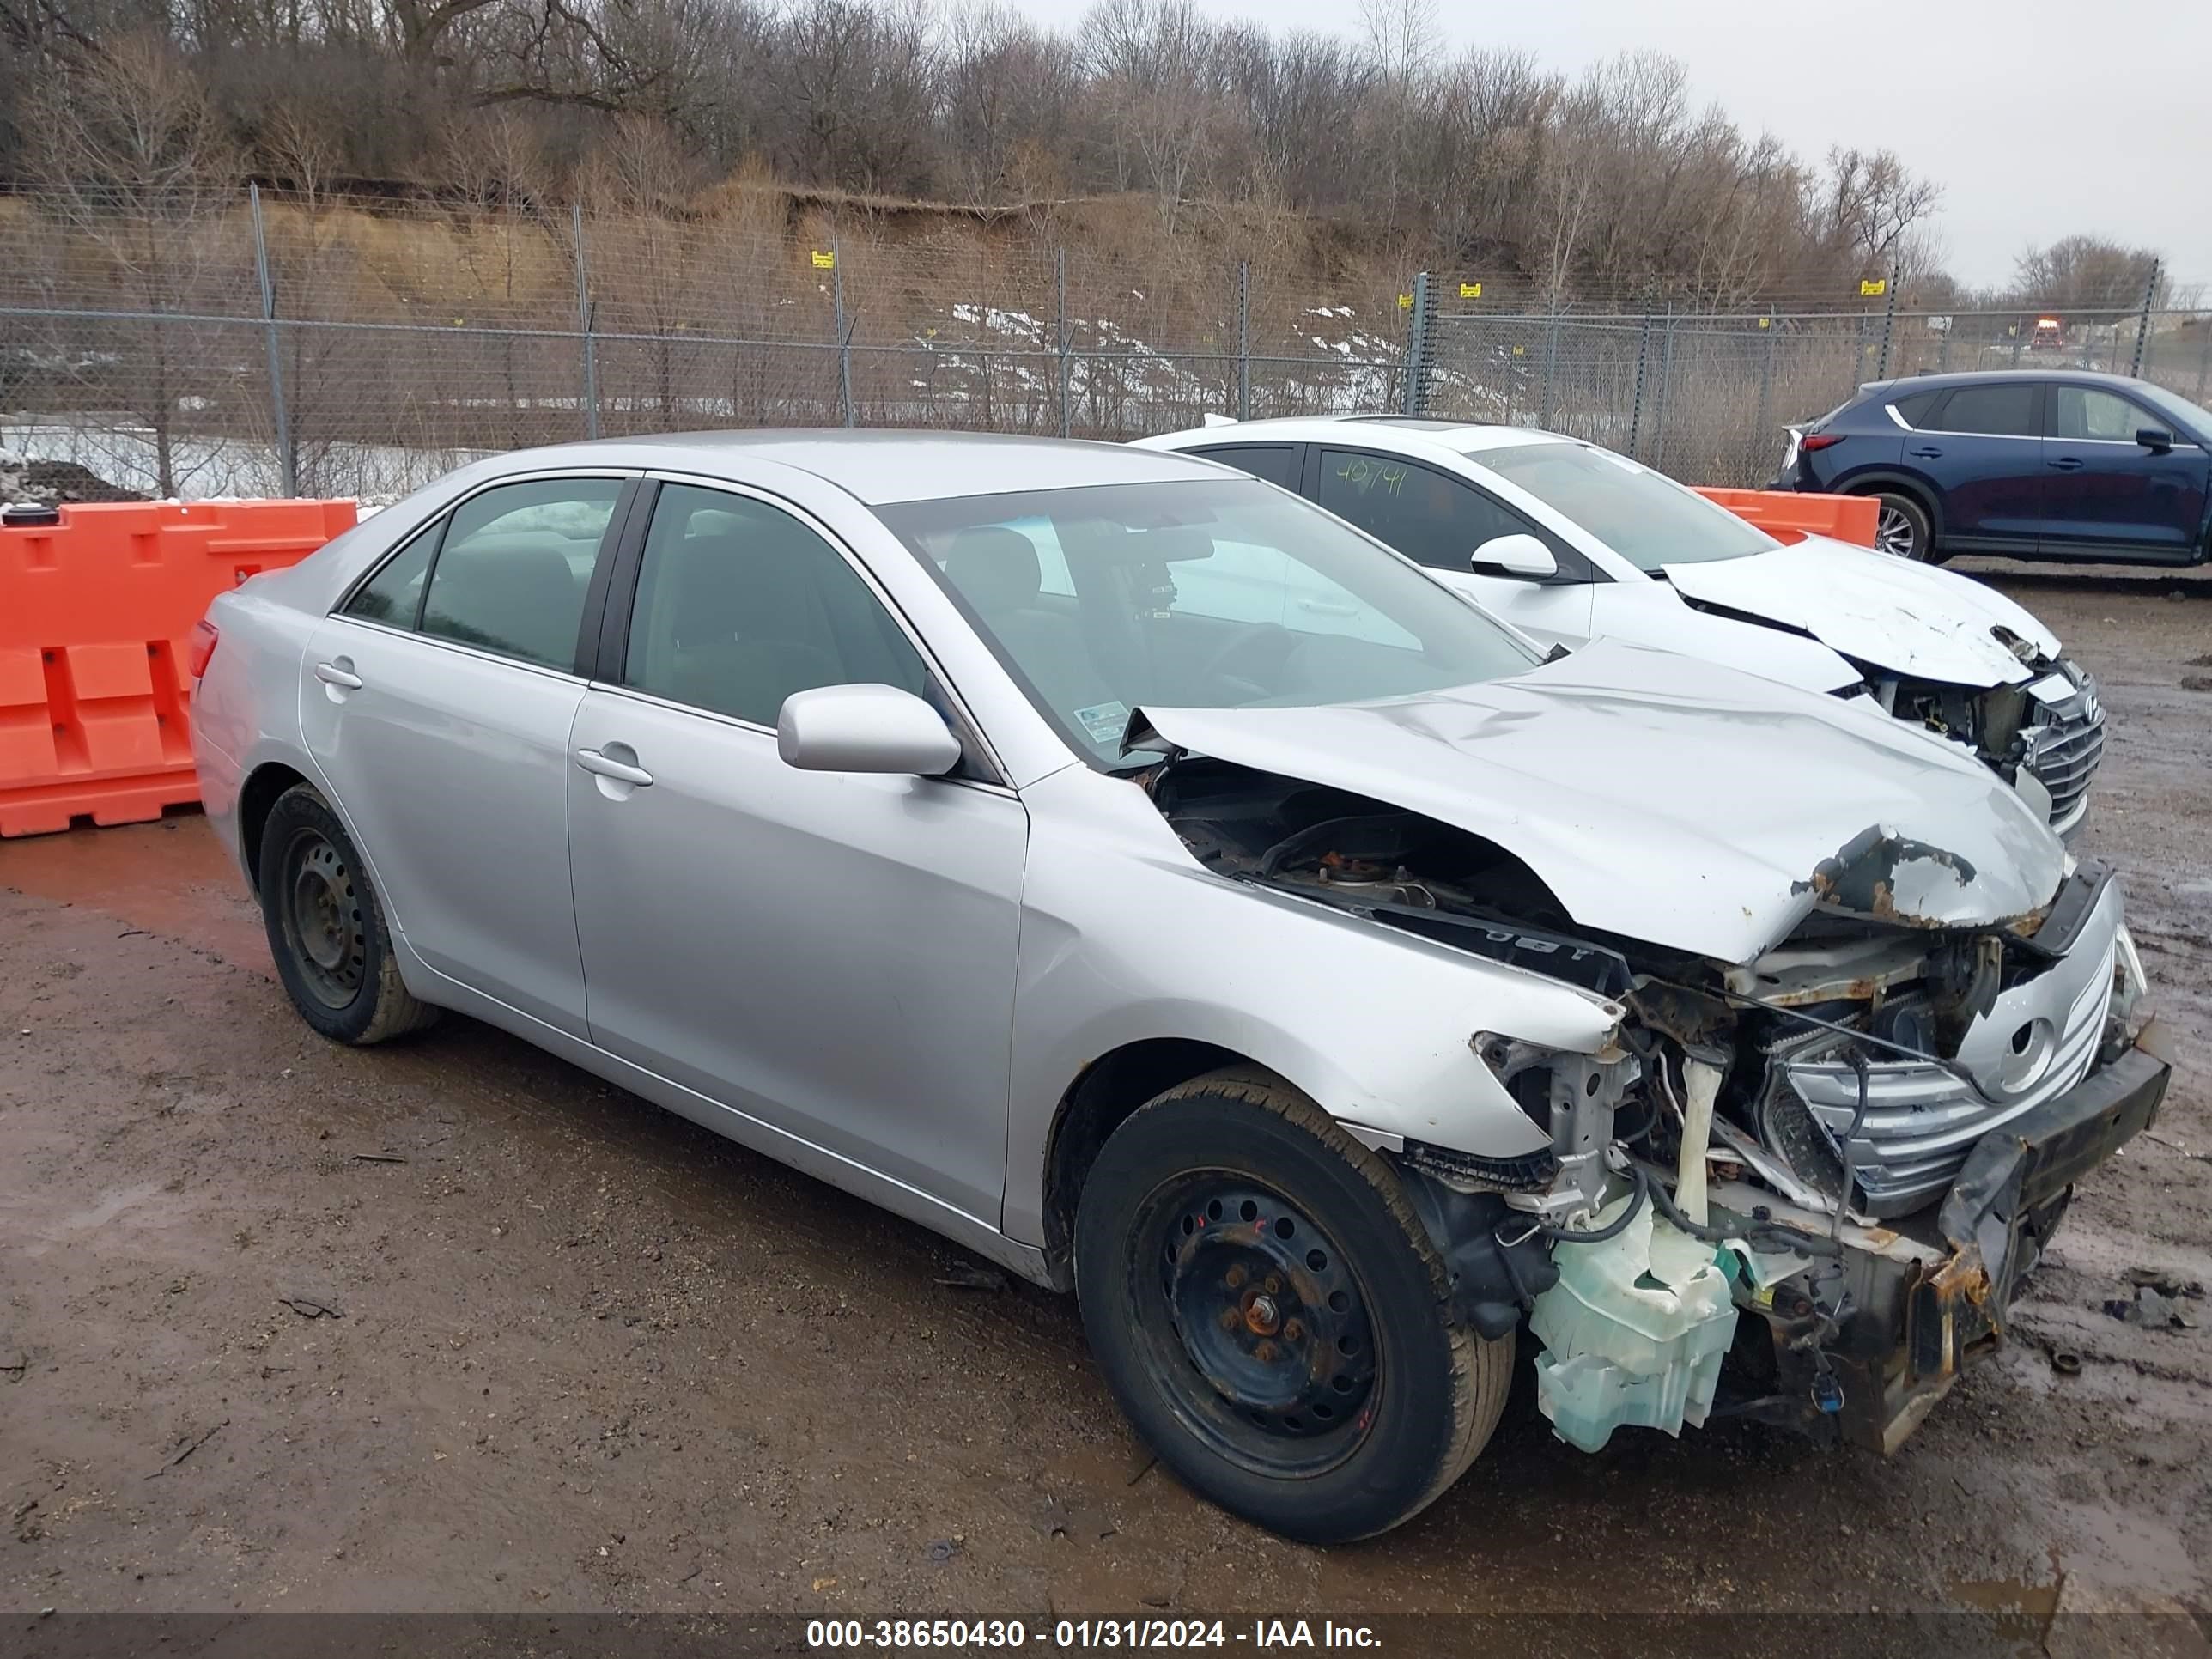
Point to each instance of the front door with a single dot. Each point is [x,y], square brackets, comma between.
[832,954]
[1441,522]
[436,703]
[2110,494]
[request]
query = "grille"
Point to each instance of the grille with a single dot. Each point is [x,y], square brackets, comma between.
[2063,752]
[1923,1120]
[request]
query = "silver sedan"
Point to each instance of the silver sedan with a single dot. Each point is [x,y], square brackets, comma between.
[1136,874]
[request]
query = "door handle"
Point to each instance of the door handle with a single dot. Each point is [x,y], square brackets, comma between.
[1323,608]
[2067,464]
[330,673]
[1928,455]
[606,766]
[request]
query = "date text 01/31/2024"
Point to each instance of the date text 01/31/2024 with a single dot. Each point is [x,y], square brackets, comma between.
[982,1633]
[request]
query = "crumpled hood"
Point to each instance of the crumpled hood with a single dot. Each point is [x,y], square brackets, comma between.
[1910,618]
[1674,801]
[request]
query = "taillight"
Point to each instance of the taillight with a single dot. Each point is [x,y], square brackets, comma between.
[1819,440]
[203,647]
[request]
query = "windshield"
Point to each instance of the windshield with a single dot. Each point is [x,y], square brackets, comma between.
[1207,594]
[1646,518]
[2173,406]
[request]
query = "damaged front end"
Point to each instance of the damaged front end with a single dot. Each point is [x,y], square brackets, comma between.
[2045,736]
[1800,1188]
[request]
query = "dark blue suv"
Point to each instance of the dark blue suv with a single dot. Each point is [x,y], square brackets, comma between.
[2029,464]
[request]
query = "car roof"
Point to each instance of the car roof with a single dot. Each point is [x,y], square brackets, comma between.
[1463,437]
[1991,376]
[883,467]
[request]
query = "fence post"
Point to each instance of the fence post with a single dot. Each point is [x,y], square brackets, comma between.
[2143,321]
[287,461]
[1244,339]
[1888,324]
[1550,363]
[2204,357]
[1666,379]
[1416,350]
[1066,334]
[2016,345]
[1642,356]
[584,322]
[844,334]
[1766,378]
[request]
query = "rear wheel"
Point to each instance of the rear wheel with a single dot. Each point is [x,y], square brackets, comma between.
[326,929]
[1902,529]
[1271,1316]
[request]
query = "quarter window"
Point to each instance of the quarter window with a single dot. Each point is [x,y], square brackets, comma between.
[516,563]
[740,605]
[1916,409]
[2085,412]
[1994,412]
[1431,519]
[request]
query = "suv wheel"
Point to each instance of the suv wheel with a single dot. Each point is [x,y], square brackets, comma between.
[1902,529]
[1271,1316]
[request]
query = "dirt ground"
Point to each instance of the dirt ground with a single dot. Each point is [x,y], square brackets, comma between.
[576,1354]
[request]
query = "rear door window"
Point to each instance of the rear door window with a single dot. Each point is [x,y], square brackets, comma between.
[1990,411]
[1274,464]
[393,595]
[512,571]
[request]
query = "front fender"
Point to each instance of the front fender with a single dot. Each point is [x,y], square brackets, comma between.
[1127,938]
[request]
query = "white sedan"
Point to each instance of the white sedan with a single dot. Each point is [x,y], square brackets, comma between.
[1569,542]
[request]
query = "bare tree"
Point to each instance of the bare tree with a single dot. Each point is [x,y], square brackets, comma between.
[131,155]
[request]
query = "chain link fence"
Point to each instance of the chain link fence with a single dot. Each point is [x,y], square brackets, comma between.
[190,341]
[1705,396]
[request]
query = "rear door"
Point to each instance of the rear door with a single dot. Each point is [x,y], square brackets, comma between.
[2110,495]
[1983,449]
[829,953]
[437,705]
[1441,521]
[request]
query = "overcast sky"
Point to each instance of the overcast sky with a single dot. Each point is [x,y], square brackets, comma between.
[2039,118]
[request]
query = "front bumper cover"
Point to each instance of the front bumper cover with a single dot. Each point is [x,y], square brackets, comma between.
[1923,1302]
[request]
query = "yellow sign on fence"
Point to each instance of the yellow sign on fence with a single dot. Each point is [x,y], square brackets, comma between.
[1405,302]
[825,260]
[1470,290]
[1873,287]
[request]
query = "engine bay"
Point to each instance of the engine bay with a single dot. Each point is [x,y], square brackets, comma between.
[1788,1129]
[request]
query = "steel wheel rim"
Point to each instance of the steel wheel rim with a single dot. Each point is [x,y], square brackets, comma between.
[1256,1326]
[1893,533]
[323,926]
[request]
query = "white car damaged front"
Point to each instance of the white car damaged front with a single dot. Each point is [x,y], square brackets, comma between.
[1602,547]
[1828,1040]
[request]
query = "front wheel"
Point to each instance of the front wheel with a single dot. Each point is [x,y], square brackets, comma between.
[326,929]
[1271,1316]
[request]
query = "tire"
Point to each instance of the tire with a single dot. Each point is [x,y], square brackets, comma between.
[1324,1389]
[1902,529]
[326,929]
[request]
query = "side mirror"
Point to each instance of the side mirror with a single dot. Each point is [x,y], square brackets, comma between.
[1517,555]
[2156,439]
[864,728]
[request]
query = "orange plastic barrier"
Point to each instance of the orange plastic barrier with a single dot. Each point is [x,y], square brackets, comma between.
[95,614]
[1780,512]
